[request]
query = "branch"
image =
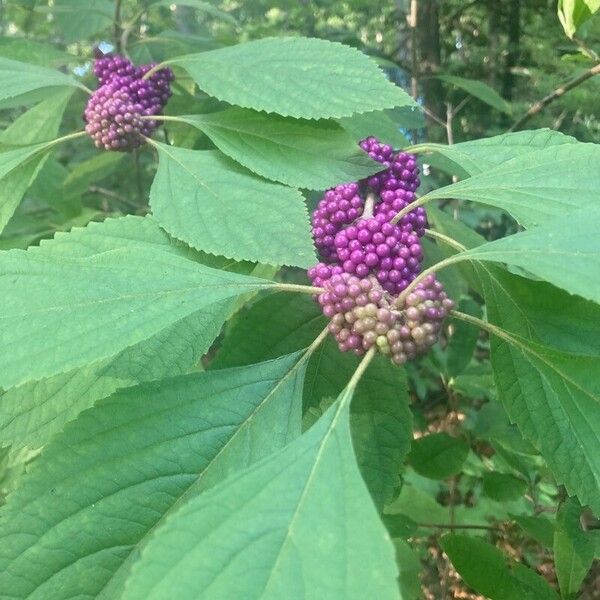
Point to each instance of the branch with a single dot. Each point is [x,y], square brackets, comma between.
[557,93]
[117,26]
[451,526]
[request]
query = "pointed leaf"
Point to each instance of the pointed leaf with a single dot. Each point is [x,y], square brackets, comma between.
[568,257]
[381,420]
[493,573]
[574,13]
[295,77]
[276,529]
[574,549]
[89,504]
[538,186]
[438,455]
[206,200]
[96,291]
[480,90]
[300,153]
[77,21]
[479,156]
[17,78]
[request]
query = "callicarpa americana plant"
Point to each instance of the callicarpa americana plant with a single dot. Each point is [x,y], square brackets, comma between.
[258,340]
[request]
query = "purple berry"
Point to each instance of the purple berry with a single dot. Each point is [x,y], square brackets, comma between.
[114,111]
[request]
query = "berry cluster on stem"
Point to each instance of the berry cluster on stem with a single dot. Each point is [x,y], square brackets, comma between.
[368,262]
[117,112]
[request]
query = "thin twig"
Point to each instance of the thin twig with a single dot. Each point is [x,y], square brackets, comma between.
[138,176]
[96,189]
[446,239]
[557,93]
[117,26]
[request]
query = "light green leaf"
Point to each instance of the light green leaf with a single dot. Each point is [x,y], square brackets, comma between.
[552,396]
[381,420]
[493,573]
[17,78]
[78,21]
[377,123]
[204,7]
[85,173]
[479,156]
[409,567]
[462,342]
[574,13]
[276,529]
[18,169]
[300,153]
[566,256]
[31,413]
[98,291]
[295,77]
[91,501]
[206,200]
[40,123]
[536,187]
[438,455]
[28,50]
[482,91]
[573,549]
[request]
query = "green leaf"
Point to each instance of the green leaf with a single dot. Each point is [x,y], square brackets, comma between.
[574,13]
[409,567]
[206,200]
[482,91]
[18,78]
[204,7]
[377,123]
[479,156]
[381,419]
[18,169]
[574,549]
[79,21]
[438,455]
[40,123]
[539,528]
[90,294]
[503,487]
[294,77]
[28,50]
[90,503]
[538,186]
[279,527]
[462,342]
[552,395]
[300,153]
[31,413]
[87,172]
[494,574]
[566,256]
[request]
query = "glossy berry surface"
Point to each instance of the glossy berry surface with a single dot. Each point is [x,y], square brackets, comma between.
[115,112]
[376,246]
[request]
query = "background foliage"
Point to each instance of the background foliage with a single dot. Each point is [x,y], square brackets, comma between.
[481,460]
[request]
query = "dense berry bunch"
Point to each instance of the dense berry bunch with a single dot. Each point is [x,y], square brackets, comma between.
[115,111]
[371,261]
[363,315]
[376,246]
[339,207]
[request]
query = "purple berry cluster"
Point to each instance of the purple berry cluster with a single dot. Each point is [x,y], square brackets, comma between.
[375,245]
[339,207]
[115,111]
[369,262]
[363,315]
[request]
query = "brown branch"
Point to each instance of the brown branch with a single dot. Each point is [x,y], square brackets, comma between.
[117,26]
[557,93]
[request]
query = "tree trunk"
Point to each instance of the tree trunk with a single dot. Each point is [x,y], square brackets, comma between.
[429,55]
[513,50]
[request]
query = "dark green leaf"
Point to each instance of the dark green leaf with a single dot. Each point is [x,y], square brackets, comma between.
[438,455]
[480,90]
[503,487]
